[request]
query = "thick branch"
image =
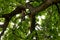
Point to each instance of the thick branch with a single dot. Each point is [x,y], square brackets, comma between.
[9,16]
[16,11]
[33,21]
[44,5]
[4,26]
[33,10]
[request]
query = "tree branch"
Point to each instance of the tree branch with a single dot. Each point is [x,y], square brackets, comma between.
[33,21]
[33,10]
[44,5]
[9,16]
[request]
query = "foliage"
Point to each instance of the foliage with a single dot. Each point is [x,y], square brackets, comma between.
[48,27]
